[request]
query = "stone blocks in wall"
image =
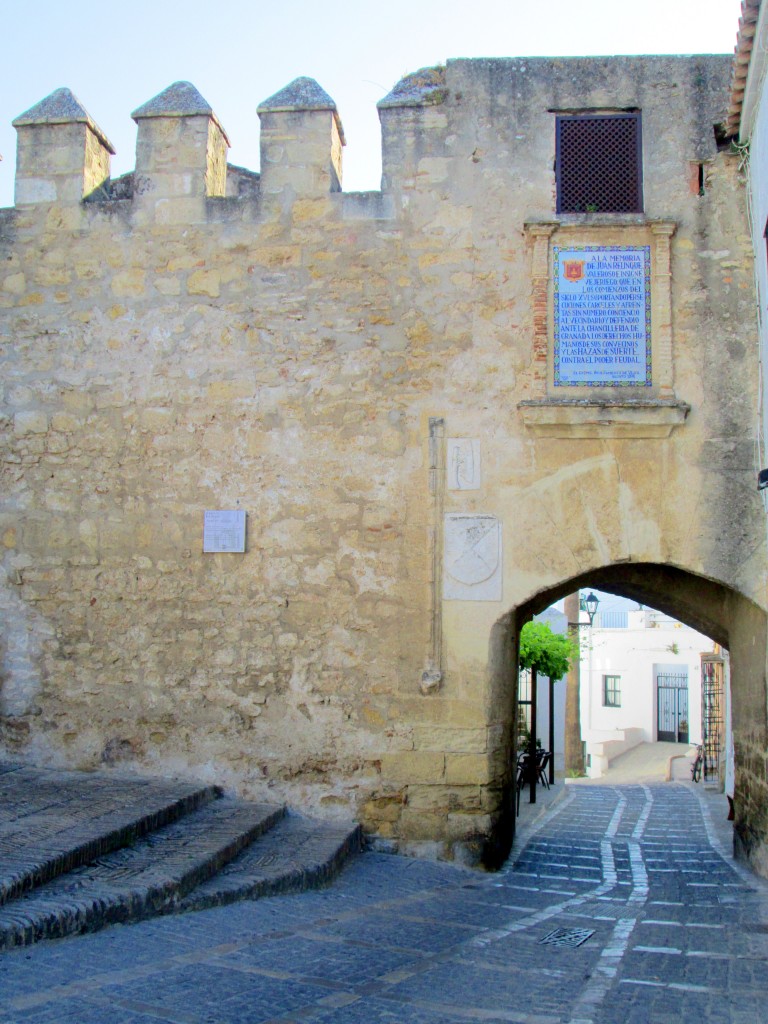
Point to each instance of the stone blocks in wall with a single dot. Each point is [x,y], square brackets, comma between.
[181,155]
[63,156]
[301,142]
[286,353]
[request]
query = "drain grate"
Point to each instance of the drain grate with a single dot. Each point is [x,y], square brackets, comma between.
[567,937]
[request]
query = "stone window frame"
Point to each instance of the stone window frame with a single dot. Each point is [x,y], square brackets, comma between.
[578,411]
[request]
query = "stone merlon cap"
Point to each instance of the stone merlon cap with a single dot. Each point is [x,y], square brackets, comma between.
[61,107]
[302,94]
[179,100]
[420,89]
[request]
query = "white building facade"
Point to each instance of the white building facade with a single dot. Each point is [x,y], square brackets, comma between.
[641,682]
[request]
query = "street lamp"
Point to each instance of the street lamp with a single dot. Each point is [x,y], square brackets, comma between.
[574,605]
[589,605]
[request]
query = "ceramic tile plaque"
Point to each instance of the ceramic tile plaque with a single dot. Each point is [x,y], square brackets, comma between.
[472,558]
[602,316]
[224,531]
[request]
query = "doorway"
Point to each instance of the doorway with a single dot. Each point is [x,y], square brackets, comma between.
[672,707]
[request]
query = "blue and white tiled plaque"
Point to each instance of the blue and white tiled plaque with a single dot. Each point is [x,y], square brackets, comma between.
[602,316]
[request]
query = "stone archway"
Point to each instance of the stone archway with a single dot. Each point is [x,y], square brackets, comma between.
[729,618]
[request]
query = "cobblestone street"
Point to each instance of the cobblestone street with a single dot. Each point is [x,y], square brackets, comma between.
[647,922]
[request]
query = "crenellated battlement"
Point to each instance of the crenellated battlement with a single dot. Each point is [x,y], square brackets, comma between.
[181,156]
[62,155]
[181,150]
[468,125]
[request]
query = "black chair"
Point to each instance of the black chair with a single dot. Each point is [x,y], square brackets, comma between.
[543,758]
[523,777]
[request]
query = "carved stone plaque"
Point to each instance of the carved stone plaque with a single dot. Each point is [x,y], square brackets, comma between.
[462,460]
[224,530]
[472,558]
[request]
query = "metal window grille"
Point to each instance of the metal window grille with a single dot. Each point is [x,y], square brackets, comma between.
[612,691]
[712,687]
[599,164]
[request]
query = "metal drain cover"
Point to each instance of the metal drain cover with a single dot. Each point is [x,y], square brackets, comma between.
[567,937]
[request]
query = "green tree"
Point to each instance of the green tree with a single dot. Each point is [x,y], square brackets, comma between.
[548,654]
[545,652]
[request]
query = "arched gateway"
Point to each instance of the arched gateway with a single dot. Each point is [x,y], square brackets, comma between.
[708,606]
[285,468]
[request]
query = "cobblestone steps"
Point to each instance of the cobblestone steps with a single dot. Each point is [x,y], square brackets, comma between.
[52,822]
[297,854]
[183,848]
[149,877]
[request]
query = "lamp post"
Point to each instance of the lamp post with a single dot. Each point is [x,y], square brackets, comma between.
[590,607]
[574,748]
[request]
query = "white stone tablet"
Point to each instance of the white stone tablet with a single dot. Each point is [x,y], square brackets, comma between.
[224,530]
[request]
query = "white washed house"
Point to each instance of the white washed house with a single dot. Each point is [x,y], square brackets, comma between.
[641,681]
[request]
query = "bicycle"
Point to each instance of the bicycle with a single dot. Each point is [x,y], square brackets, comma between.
[697,764]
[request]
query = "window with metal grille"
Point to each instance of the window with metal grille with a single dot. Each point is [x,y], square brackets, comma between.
[712,714]
[599,164]
[612,691]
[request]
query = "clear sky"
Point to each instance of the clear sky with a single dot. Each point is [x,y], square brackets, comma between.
[239,52]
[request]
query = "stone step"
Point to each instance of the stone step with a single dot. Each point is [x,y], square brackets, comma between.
[52,822]
[79,851]
[297,854]
[150,877]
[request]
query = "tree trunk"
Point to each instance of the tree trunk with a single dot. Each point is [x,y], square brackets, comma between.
[532,743]
[574,750]
[551,732]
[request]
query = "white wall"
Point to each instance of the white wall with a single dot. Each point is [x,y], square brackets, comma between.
[557,623]
[653,643]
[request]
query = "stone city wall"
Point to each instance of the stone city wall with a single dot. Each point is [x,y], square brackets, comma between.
[348,369]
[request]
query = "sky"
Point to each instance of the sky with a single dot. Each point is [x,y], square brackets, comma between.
[238,53]
[606,602]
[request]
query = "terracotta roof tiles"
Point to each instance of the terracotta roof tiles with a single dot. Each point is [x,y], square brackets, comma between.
[750,10]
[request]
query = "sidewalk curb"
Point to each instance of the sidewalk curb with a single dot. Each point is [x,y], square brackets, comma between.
[526,833]
[674,757]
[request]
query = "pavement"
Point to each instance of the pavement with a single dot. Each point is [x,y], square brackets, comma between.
[647,762]
[620,904]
